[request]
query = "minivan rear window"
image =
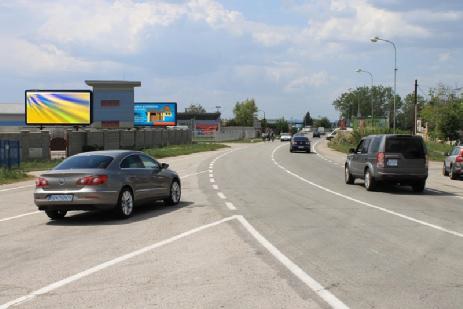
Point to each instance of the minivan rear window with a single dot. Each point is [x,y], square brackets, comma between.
[409,146]
[85,162]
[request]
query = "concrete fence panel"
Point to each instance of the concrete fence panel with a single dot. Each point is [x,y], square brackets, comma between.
[127,139]
[139,139]
[95,138]
[111,139]
[76,142]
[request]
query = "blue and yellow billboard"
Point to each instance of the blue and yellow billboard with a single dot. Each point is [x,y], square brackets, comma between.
[58,107]
[160,114]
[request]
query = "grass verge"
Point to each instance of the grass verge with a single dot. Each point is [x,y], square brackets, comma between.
[179,150]
[12,175]
[38,165]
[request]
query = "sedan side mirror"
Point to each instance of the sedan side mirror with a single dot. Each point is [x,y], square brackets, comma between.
[351,150]
[164,166]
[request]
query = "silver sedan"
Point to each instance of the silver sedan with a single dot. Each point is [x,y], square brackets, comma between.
[115,179]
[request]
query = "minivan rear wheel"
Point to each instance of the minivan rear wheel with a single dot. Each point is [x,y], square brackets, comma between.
[348,176]
[419,186]
[444,171]
[453,174]
[370,183]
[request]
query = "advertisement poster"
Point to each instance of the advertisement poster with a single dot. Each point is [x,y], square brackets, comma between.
[58,107]
[155,114]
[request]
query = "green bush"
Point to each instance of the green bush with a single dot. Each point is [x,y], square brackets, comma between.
[11,175]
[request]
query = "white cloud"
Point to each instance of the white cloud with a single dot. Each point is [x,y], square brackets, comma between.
[365,22]
[26,58]
[443,57]
[118,26]
[313,80]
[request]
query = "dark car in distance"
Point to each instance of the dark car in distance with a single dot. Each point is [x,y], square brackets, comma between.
[388,158]
[300,143]
[115,180]
[316,133]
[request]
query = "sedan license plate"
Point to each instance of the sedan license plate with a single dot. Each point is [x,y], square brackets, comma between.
[301,147]
[392,162]
[60,198]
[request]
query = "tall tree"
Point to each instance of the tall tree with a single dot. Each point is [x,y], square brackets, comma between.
[245,112]
[281,126]
[195,108]
[308,121]
[363,100]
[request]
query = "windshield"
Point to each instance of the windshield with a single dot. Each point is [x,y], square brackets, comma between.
[85,162]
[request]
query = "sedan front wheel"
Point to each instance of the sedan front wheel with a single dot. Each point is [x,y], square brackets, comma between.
[175,194]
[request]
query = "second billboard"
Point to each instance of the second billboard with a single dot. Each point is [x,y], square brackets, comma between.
[159,114]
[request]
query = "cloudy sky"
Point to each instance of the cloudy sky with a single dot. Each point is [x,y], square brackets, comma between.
[292,56]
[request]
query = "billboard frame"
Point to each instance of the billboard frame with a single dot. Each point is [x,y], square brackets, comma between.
[158,126]
[58,124]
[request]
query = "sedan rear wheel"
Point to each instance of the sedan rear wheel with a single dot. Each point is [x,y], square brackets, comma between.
[124,208]
[56,214]
[175,193]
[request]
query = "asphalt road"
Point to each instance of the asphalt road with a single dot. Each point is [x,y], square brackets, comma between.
[259,227]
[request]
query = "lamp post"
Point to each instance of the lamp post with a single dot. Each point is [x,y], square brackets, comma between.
[371,78]
[374,40]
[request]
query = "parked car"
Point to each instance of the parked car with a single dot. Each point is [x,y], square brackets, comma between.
[336,131]
[316,133]
[116,179]
[453,163]
[388,158]
[300,143]
[285,137]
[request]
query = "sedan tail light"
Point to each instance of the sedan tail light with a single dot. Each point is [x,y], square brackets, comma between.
[92,180]
[380,159]
[41,182]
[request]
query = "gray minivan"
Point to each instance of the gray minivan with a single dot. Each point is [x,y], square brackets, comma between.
[399,159]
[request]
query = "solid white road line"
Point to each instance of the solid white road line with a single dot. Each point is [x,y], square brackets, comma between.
[109,263]
[215,187]
[16,188]
[316,287]
[20,216]
[326,295]
[221,195]
[230,206]
[391,212]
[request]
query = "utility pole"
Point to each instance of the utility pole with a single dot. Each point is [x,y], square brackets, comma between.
[416,107]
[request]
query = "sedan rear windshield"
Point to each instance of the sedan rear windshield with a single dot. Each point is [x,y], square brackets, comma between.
[301,139]
[409,146]
[85,162]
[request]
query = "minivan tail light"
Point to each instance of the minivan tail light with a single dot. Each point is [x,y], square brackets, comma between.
[459,159]
[380,159]
[92,180]
[41,182]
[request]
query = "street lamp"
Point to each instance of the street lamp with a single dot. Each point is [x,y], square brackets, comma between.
[371,77]
[376,39]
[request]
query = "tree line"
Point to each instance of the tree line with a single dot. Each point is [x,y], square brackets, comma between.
[441,109]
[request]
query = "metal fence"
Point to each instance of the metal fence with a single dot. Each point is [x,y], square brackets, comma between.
[10,153]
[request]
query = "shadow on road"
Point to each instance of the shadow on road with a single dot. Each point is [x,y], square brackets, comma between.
[407,190]
[140,212]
